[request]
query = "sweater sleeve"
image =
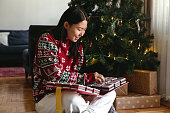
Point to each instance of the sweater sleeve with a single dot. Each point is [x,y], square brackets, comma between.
[89,77]
[48,66]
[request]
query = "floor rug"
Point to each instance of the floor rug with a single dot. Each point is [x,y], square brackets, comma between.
[12,71]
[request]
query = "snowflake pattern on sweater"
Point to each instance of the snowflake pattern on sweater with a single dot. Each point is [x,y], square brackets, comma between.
[51,63]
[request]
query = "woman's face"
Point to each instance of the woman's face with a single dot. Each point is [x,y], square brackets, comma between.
[75,31]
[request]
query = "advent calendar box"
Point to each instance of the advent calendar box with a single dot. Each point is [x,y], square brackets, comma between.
[134,101]
[96,88]
[143,81]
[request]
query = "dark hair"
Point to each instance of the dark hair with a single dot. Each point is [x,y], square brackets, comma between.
[73,15]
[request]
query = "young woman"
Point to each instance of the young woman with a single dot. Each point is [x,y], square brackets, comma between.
[58,58]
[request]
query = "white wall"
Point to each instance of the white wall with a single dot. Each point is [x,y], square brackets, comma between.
[19,14]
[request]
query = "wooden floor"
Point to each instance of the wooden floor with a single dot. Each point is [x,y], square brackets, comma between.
[16,96]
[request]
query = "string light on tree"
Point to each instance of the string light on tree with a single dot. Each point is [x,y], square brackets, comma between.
[120,21]
[114,34]
[102,35]
[146,51]
[130,41]
[109,54]
[112,18]
[96,37]
[139,46]
[102,19]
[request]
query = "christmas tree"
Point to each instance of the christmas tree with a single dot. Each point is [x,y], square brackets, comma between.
[115,41]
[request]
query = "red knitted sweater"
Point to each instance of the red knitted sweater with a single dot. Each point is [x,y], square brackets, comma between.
[52,63]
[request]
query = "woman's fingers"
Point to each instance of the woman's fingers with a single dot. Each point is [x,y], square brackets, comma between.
[99,77]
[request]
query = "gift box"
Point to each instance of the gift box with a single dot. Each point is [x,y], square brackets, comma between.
[116,83]
[96,91]
[107,87]
[122,91]
[78,87]
[107,79]
[143,81]
[133,101]
[89,89]
[122,80]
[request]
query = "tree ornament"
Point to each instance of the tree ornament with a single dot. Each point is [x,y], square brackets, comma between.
[96,7]
[109,3]
[137,23]
[118,3]
[111,29]
[91,44]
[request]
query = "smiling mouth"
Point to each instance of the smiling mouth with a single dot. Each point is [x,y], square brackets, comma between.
[76,38]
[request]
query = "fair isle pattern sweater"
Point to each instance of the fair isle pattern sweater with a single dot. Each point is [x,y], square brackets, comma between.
[52,63]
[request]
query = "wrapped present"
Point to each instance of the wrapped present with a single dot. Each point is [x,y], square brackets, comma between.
[143,81]
[123,90]
[134,100]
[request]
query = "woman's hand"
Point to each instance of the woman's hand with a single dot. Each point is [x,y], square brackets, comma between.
[99,77]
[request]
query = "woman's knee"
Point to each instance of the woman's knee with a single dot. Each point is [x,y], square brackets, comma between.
[79,104]
[69,96]
[77,100]
[73,101]
[112,94]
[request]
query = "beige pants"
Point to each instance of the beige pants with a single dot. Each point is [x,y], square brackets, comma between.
[72,102]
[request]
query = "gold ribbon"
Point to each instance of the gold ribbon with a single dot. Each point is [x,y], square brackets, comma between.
[58,100]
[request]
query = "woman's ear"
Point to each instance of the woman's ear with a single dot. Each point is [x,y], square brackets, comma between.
[66,25]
